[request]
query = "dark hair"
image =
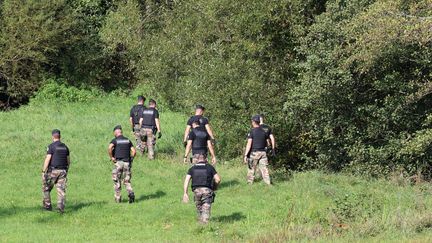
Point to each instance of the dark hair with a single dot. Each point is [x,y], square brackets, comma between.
[141,98]
[152,101]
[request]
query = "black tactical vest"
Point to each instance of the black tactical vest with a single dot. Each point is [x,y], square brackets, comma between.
[122,149]
[201,176]
[201,138]
[136,113]
[59,157]
[149,118]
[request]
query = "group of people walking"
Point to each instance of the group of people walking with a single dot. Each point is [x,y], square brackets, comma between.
[145,125]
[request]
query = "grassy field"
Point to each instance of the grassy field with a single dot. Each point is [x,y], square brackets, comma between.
[302,206]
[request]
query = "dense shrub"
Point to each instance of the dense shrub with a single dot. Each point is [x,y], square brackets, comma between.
[56,90]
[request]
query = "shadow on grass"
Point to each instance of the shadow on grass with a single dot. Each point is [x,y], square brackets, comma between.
[229,183]
[157,194]
[79,206]
[237,216]
[167,149]
[5,212]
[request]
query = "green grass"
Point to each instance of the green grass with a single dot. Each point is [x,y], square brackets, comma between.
[302,206]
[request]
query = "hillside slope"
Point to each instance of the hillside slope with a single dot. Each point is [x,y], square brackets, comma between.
[302,206]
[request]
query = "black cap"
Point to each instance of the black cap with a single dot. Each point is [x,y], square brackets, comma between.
[55,131]
[140,97]
[117,127]
[256,118]
[199,107]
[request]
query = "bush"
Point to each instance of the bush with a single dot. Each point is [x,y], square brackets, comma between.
[58,91]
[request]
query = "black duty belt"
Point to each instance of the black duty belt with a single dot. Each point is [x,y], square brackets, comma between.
[149,127]
[58,168]
[259,150]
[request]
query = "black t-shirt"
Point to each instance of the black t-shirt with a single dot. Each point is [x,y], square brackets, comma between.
[59,153]
[259,139]
[202,175]
[122,146]
[266,129]
[199,137]
[203,120]
[149,115]
[136,113]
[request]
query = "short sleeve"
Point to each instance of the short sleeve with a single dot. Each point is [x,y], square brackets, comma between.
[191,136]
[156,114]
[189,122]
[114,142]
[190,171]
[250,136]
[270,132]
[50,149]
[212,170]
[132,112]
[204,121]
[130,143]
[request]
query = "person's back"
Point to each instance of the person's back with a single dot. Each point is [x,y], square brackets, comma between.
[135,116]
[200,138]
[54,172]
[150,125]
[255,152]
[204,181]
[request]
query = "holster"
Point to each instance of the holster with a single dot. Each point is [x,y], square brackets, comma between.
[250,163]
[213,196]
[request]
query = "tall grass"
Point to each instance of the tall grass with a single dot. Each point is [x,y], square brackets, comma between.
[304,206]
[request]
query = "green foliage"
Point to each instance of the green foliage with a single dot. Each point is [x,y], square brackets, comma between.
[364,99]
[32,34]
[55,90]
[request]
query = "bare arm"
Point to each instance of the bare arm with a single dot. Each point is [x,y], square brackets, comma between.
[273,141]
[140,122]
[131,122]
[209,131]
[217,179]
[212,152]
[110,153]
[187,130]
[185,189]
[158,124]
[248,147]
[133,151]
[187,150]
[46,163]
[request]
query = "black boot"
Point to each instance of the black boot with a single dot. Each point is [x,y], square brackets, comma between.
[131,197]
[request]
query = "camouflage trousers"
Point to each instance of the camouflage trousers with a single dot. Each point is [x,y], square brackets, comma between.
[121,173]
[259,159]
[139,137]
[150,141]
[58,178]
[198,158]
[203,198]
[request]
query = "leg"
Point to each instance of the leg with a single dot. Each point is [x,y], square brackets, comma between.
[61,190]
[251,171]
[149,134]
[116,177]
[47,186]
[198,202]
[137,135]
[206,200]
[127,182]
[263,166]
